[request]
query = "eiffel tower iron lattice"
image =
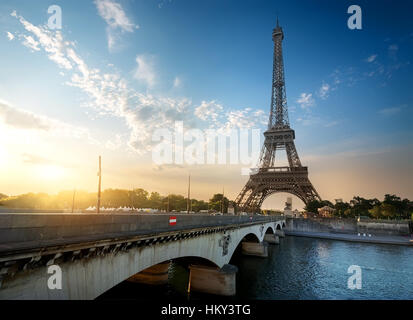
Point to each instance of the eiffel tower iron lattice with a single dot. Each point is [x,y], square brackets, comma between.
[268,178]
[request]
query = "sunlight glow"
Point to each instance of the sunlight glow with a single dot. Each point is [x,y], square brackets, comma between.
[50,172]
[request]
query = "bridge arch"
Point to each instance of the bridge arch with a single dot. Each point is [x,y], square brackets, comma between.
[214,256]
[270,230]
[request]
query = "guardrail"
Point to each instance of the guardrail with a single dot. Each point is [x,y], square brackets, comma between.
[41,227]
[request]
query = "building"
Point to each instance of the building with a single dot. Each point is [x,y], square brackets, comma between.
[307,215]
[326,212]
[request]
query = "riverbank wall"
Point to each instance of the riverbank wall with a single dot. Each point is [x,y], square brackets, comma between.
[350,226]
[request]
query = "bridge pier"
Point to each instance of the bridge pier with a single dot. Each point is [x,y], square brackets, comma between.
[271,239]
[280,233]
[155,275]
[213,280]
[258,249]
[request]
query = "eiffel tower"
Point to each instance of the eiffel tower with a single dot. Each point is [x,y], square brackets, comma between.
[268,178]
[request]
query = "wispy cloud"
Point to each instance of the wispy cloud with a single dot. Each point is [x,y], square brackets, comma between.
[390,111]
[52,42]
[208,110]
[324,91]
[34,159]
[145,70]
[30,43]
[116,19]
[306,100]
[25,120]
[177,82]
[10,36]
[393,48]
[371,58]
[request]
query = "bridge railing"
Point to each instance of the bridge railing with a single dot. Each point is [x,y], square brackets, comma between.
[40,229]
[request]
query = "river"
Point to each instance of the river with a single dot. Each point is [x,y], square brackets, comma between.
[300,268]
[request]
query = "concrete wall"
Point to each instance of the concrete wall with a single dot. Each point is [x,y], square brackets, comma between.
[90,277]
[335,225]
[384,227]
[38,227]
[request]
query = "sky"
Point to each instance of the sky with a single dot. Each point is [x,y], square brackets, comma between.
[118,71]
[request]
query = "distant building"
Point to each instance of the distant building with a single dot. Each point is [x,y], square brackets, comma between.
[326,212]
[231,209]
[307,214]
[288,211]
[297,214]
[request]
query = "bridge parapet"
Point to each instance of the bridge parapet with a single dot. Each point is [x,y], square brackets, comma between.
[38,228]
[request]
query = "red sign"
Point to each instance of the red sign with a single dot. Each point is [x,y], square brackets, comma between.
[172,221]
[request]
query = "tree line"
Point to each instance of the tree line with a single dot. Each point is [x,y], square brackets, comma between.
[111,198]
[392,207]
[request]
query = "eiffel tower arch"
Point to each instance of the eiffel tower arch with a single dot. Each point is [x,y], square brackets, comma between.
[268,178]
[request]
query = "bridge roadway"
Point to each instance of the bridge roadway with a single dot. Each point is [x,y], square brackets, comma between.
[96,252]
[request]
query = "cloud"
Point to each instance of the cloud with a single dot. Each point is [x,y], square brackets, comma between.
[371,58]
[393,48]
[245,119]
[22,119]
[52,42]
[25,120]
[310,120]
[10,36]
[331,124]
[208,111]
[145,70]
[116,19]
[324,90]
[30,43]
[213,114]
[177,82]
[34,159]
[142,113]
[390,111]
[306,100]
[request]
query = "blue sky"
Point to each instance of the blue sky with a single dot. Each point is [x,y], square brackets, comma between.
[349,91]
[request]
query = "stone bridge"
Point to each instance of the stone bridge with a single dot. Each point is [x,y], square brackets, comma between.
[94,253]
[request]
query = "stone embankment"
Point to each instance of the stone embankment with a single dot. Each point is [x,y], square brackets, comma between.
[373,231]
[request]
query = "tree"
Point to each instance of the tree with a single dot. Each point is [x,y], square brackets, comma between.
[216,201]
[314,205]
[139,198]
[155,201]
[198,205]
[383,211]
[341,207]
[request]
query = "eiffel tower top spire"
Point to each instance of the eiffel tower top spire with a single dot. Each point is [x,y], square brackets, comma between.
[279,110]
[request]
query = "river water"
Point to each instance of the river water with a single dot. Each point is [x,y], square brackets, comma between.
[300,268]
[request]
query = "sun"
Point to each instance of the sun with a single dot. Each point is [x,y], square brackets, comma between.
[50,172]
